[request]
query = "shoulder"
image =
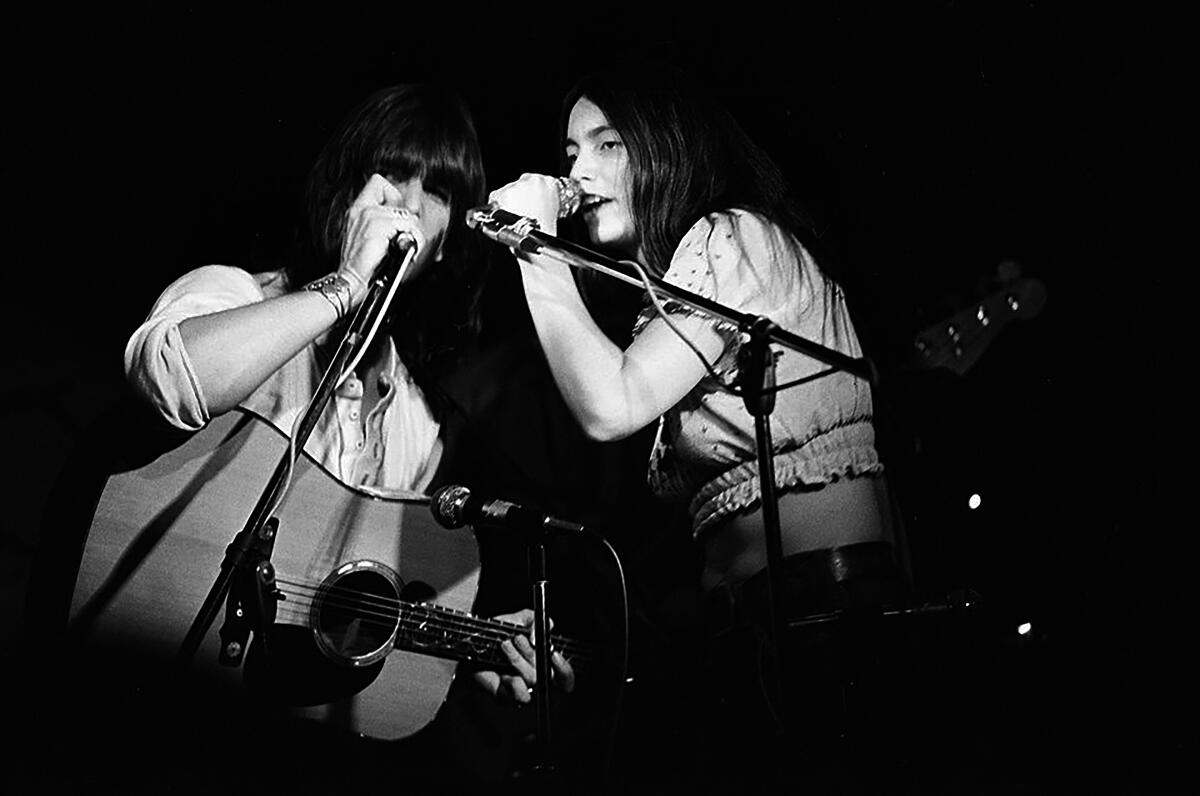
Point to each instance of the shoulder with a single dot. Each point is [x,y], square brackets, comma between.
[738,241]
[734,231]
[744,260]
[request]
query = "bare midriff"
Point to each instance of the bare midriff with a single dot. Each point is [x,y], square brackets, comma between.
[839,513]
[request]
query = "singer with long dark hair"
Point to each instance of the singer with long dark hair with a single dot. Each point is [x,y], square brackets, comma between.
[406,162]
[402,169]
[671,181]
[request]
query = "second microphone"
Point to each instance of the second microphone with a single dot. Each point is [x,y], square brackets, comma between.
[455,506]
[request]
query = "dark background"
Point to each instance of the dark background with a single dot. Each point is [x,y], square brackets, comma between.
[933,140]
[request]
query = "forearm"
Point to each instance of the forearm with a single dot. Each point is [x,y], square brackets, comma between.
[612,392]
[234,351]
[607,397]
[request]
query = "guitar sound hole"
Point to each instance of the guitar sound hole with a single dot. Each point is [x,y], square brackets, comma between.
[355,616]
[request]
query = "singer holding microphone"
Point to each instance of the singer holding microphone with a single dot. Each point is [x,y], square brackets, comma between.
[398,175]
[670,180]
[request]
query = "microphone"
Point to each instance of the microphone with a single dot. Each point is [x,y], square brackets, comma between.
[570,196]
[399,247]
[455,506]
[402,241]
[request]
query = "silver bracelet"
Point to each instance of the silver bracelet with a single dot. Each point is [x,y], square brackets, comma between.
[336,290]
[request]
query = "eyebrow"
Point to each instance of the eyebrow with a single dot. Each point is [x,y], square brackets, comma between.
[595,132]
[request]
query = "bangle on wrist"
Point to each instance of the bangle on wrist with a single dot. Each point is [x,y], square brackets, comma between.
[356,283]
[336,290]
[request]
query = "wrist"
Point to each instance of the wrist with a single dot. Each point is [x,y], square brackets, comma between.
[358,286]
[337,290]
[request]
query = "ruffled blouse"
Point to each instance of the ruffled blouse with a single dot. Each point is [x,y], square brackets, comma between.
[821,429]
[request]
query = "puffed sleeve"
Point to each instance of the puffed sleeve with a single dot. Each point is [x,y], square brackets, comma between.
[739,261]
[157,364]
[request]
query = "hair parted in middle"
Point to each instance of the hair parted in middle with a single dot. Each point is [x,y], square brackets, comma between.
[688,157]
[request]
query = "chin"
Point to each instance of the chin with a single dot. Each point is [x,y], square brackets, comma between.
[610,238]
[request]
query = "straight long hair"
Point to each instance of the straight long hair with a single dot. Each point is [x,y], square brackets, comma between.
[688,157]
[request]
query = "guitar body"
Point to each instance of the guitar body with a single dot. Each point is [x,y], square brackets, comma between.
[158,538]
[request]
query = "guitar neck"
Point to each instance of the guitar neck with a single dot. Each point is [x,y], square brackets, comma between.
[442,632]
[957,342]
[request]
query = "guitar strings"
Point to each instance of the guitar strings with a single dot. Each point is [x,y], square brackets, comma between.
[415,618]
[386,608]
[427,629]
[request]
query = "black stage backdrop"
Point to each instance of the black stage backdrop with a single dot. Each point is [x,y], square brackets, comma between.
[943,146]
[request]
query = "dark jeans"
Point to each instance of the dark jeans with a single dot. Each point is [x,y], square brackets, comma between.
[803,712]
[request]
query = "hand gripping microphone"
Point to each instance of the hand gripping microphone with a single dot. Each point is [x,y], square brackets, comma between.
[512,229]
[455,506]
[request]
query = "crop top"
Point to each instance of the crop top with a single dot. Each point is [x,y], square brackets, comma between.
[821,430]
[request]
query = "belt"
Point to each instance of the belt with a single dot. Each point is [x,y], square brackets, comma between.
[851,579]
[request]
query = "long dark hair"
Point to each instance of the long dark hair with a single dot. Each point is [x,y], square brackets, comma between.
[404,131]
[688,157]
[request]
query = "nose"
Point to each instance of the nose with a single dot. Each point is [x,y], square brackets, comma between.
[412,198]
[411,194]
[582,169]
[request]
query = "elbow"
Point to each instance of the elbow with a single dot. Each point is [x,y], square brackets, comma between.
[166,386]
[603,433]
[606,416]
[606,428]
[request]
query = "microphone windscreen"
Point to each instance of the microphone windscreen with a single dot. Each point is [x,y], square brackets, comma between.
[447,505]
[570,195]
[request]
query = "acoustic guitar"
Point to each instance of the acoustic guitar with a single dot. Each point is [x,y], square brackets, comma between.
[371,598]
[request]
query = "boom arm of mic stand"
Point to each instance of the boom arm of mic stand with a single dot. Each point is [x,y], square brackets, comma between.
[521,233]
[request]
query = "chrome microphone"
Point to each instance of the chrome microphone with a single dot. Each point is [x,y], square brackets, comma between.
[570,196]
[401,242]
[454,506]
[516,231]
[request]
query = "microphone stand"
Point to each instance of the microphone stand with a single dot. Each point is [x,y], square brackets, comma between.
[756,371]
[450,510]
[246,576]
[543,766]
